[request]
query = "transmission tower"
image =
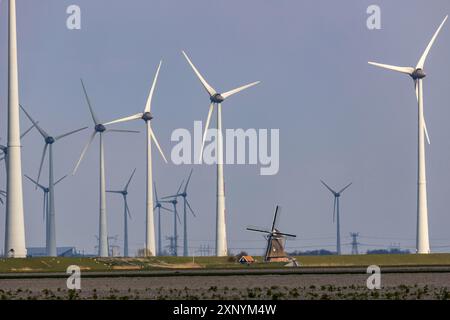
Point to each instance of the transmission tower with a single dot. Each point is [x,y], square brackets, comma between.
[355,242]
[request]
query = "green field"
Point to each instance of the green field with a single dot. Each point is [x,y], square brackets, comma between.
[174,263]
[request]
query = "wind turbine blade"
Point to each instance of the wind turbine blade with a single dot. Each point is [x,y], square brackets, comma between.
[28,130]
[187,182]
[179,188]
[129,180]
[189,206]
[122,131]
[125,119]
[69,133]
[208,119]
[128,209]
[94,117]
[328,187]
[407,70]
[342,190]
[42,162]
[172,196]
[41,131]
[61,179]
[167,209]
[35,182]
[44,207]
[334,207]
[1,200]
[421,62]
[178,217]
[424,122]
[113,191]
[148,105]
[152,134]
[205,84]
[234,91]
[156,193]
[84,151]
[426,131]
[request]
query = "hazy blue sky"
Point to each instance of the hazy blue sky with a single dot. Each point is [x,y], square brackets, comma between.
[339,118]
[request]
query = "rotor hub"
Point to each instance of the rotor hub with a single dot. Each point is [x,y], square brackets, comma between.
[124,193]
[147,116]
[100,128]
[418,74]
[216,98]
[49,140]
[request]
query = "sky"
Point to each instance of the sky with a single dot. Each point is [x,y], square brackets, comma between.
[339,119]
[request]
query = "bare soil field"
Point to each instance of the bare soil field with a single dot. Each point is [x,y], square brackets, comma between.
[301,286]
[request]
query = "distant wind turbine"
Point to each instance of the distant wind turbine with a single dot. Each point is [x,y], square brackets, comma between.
[126,213]
[336,212]
[174,202]
[46,191]
[185,206]
[216,99]
[159,206]
[49,141]
[417,74]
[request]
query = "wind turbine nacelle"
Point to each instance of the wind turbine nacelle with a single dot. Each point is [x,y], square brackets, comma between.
[216,98]
[147,116]
[100,128]
[49,140]
[418,74]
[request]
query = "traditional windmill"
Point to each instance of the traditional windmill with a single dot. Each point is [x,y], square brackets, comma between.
[275,241]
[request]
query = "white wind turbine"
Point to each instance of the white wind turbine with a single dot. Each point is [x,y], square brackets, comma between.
[126,212]
[49,141]
[216,99]
[417,74]
[336,212]
[99,129]
[147,116]
[46,191]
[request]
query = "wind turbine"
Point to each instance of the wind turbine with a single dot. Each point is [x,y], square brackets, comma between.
[14,225]
[417,74]
[337,195]
[174,202]
[216,99]
[126,214]
[147,116]
[46,214]
[49,141]
[185,206]
[159,206]
[99,129]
